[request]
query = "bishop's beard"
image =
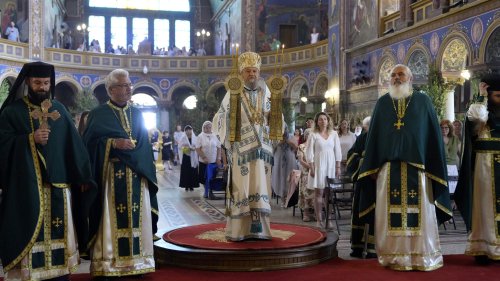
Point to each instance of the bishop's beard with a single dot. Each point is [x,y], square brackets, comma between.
[402,90]
[37,97]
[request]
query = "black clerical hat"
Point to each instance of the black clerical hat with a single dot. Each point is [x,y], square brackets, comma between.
[493,80]
[36,69]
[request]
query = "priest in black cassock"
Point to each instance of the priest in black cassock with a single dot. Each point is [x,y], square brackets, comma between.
[404,153]
[478,187]
[123,218]
[362,231]
[41,158]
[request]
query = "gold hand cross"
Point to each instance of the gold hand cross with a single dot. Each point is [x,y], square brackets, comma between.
[44,114]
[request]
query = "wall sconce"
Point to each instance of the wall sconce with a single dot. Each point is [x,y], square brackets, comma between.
[303,96]
[465,74]
[332,95]
[145,70]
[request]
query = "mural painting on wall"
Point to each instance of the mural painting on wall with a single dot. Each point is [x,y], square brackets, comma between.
[333,57]
[477,31]
[434,44]
[299,17]
[9,14]
[334,12]
[363,27]
[493,47]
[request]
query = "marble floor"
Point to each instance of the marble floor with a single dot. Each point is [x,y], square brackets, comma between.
[179,208]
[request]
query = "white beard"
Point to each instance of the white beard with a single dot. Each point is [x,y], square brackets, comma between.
[400,91]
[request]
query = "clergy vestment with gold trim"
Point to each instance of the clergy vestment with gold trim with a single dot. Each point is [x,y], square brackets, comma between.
[125,212]
[411,195]
[250,160]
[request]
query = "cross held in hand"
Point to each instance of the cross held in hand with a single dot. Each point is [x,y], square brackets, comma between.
[44,114]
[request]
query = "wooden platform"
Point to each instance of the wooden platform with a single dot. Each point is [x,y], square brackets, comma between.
[245,260]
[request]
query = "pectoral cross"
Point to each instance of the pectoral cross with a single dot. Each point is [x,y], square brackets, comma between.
[399,124]
[44,114]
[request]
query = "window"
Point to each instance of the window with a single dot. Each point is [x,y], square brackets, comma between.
[139,31]
[162,30]
[183,34]
[128,22]
[156,5]
[119,32]
[96,30]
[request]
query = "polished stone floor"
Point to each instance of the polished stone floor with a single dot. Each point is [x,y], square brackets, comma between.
[179,208]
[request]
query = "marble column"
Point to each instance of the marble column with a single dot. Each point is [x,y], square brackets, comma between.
[248,26]
[449,92]
[316,101]
[36,30]
[163,118]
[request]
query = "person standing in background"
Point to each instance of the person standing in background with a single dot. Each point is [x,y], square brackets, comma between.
[189,178]
[12,32]
[323,154]
[178,135]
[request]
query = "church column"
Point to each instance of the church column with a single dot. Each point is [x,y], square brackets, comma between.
[449,91]
[316,101]
[405,13]
[248,26]
[164,115]
[36,30]
[289,114]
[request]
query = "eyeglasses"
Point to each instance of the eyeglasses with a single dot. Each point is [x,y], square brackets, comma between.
[445,128]
[124,85]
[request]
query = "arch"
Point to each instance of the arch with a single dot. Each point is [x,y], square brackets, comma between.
[320,85]
[418,60]
[100,93]
[66,92]
[71,82]
[180,84]
[491,36]
[387,62]
[295,86]
[98,83]
[149,88]
[450,57]
[218,90]
[10,74]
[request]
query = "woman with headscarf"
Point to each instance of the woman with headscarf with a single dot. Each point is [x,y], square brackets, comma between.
[284,163]
[189,160]
[208,148]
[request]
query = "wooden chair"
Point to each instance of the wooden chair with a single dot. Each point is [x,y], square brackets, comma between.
[334,188]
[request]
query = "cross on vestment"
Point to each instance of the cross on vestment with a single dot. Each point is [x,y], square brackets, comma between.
[399,124]
[497,158]
[44,114]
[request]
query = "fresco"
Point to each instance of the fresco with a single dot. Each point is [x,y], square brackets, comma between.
[300,15]
[363,27]
[9,13]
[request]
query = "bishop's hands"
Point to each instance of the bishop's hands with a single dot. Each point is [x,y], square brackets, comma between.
[41,136]
[123,144]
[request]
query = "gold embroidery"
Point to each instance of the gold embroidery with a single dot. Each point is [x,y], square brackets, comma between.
[121,208]
[255,116]
[120,174]
[57,222]
[400,111]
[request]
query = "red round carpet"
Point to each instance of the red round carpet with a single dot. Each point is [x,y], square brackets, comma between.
[212,236]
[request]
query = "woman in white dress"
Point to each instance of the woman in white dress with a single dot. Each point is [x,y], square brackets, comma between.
[324,155]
